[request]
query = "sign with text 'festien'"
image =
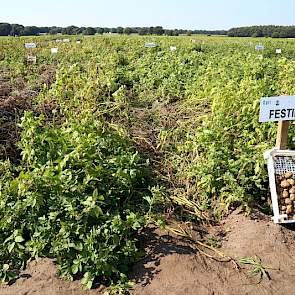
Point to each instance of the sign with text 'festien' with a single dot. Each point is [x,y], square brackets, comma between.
[278,108]
[30,45]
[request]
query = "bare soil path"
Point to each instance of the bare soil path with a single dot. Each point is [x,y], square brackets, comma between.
[174,267]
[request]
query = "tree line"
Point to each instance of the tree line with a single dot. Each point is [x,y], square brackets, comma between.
[7,29]
[263,31]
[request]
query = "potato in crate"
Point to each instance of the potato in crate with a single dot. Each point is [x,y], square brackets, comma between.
[281,172]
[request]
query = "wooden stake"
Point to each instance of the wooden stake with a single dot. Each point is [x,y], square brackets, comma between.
[282,135]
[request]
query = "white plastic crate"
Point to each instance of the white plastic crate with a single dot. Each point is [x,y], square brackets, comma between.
[278,163]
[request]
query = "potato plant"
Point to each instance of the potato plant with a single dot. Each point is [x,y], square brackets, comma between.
[113,111]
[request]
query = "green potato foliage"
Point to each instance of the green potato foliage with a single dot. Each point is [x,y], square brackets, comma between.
[77,192]
[71,200]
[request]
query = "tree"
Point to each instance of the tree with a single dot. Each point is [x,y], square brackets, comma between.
[175,32]
[275,35]
[127,31]
[16,30]
[5,29]
[55,30]
[120,30]
[89,31]
[30,31]
[43,30]
[158,30]
[71,30]
[80,30]
[151,30]
[99,31]
[168,32]
[143,31]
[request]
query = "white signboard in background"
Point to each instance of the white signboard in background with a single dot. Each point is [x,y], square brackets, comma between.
[172,48]
[54,50]
[66,40]
[277,108]
[259,47]
[78,41]
[150,45]
[278,50]
[30,45]
[58,40]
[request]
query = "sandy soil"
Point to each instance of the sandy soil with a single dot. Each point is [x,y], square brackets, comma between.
[174,266]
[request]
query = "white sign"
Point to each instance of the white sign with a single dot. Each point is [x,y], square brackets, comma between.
[66,40]
[278,108]
[54,50]
[172,48]
[279,50]
[259,47]
[58,40]
[259,56]
[150,45]
[30,45]
[78,41]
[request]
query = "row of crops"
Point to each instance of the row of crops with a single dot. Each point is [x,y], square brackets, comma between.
[119,133]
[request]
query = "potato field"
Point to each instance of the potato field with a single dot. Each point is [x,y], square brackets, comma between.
[107,138]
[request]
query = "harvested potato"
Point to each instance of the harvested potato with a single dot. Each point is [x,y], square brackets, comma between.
[288,201]
[285,184]
[292,190]
[284,208]
[285,193]
[288,175]
[289,209]
[291,181]
[283,212]
[292,197]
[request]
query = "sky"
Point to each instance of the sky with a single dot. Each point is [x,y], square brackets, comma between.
[181,14]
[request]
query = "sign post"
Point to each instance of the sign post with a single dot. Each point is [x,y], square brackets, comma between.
[282,135]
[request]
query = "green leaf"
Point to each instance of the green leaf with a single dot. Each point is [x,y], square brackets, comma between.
[87,280]
[5,267]
[75,268]
[10,247]
[19,239]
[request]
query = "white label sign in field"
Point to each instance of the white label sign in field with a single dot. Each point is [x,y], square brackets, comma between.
[259,47]
[278,108]
[279,50]
[150,45]
[30,45]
